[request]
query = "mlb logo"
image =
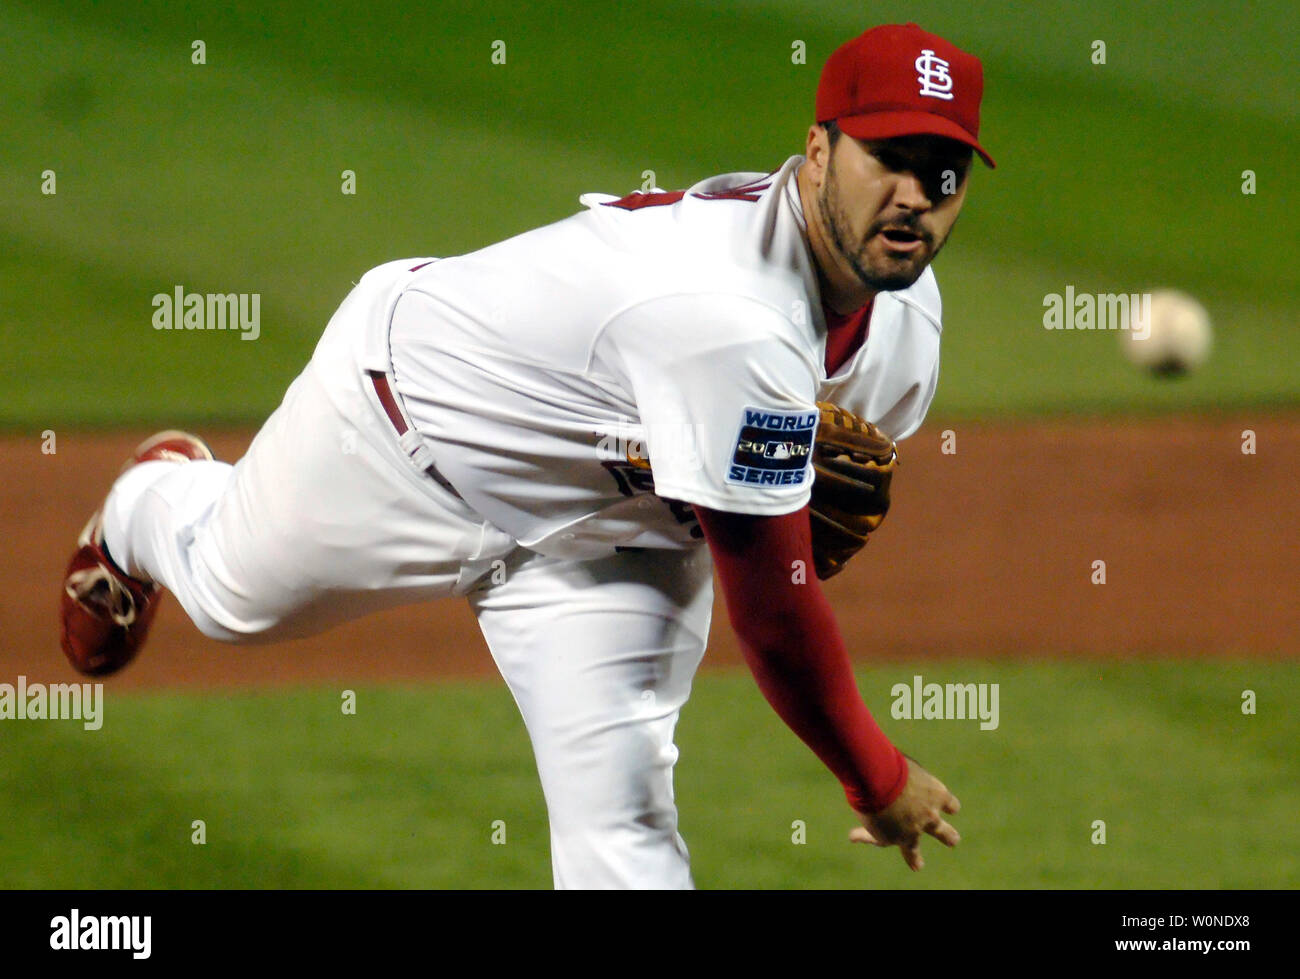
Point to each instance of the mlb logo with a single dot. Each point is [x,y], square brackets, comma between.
[773,448]
[784,450]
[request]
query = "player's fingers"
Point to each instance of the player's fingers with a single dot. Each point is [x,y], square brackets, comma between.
[859,834]
[951,805]
[912,854]
[944,833]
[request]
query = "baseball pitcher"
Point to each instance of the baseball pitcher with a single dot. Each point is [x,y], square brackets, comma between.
[574,429]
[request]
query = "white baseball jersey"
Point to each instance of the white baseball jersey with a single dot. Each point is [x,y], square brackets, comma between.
[685,327]
[539,373]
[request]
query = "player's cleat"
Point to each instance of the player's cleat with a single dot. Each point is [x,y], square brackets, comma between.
[106,613]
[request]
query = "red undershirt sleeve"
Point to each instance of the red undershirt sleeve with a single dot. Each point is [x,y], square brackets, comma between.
[794,648]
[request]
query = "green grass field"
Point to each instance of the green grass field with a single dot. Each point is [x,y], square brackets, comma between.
[404,794]
[225,177]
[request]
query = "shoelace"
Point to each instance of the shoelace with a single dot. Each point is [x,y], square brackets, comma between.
[97,588]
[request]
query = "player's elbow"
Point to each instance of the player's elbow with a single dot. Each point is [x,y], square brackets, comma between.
[764,567]
[773,638]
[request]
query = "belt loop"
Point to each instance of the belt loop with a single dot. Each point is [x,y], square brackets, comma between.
[411,442]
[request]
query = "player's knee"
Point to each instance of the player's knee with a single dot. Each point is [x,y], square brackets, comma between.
[640,821]
[237,632]
[640,850]
[230,623]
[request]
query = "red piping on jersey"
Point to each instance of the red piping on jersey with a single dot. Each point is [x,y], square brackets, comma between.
[635,200]
[745,192]
[734,194]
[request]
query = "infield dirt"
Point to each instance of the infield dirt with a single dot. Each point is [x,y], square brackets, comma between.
[989,550]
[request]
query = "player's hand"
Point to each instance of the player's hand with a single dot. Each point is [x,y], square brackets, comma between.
[918,809]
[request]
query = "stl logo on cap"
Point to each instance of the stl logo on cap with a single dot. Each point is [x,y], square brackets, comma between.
[934,78]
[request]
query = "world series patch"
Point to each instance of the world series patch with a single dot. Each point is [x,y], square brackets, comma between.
[773,448]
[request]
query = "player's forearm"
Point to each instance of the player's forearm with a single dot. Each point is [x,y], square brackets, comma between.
[794,648]
[807,677]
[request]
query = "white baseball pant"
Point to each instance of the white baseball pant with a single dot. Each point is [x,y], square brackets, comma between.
[326,519]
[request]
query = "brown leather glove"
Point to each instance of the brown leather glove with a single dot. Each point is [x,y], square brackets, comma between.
[854,462]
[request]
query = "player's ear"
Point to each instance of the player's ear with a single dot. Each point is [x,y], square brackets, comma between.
[818,149]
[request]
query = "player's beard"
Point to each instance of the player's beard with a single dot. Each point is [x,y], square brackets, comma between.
[897,273]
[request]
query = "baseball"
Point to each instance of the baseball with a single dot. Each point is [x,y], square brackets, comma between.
[1171,337]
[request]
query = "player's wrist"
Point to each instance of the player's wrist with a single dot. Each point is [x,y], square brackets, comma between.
[871,795]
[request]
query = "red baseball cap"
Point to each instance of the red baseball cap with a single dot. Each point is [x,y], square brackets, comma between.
[898,80]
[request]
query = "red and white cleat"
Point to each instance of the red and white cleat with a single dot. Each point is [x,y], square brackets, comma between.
[106,613]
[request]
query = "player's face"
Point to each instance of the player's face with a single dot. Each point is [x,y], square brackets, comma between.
[888,205]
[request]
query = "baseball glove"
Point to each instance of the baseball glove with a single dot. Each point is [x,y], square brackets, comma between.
[854,462]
